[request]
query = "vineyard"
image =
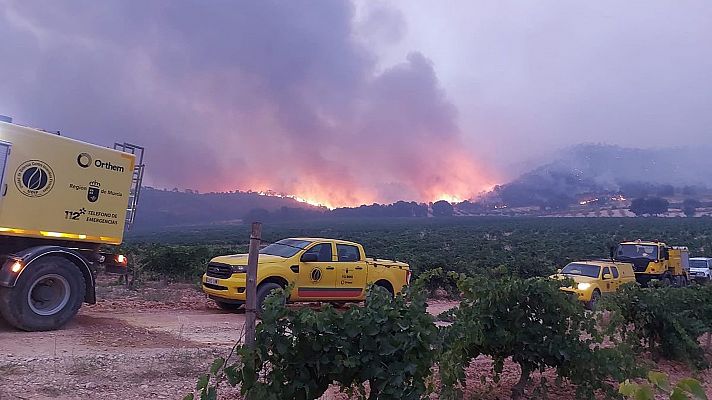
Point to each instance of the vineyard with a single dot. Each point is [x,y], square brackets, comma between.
[524,247]
[506,314]
[393,349]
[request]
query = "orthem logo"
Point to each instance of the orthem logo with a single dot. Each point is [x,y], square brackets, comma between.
[316,275]
[84,160]
[93,191]
[34,178]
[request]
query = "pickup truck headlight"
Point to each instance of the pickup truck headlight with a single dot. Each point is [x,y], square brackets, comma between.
[583,286]
[236,269]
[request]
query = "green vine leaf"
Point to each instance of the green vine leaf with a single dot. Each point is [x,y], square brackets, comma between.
[216,365]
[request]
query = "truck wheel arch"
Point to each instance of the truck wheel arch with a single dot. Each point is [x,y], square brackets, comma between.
[33,254]
[386,285]
[275,279]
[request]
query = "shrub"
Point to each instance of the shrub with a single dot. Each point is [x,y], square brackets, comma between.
[665,321]
[538,326]
[300,353]
[172,262]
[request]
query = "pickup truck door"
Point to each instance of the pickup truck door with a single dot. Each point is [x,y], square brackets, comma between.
[351,271]
[616,283]
[317,278]
[608,284]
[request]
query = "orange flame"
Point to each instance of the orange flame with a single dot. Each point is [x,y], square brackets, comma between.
[454,178]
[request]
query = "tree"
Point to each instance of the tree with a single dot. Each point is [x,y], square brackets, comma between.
[442,208]
[649,206]
[689,206]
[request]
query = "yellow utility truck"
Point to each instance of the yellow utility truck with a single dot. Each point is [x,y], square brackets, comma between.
[319,270]
[63,203]
[594,279]
[656,260]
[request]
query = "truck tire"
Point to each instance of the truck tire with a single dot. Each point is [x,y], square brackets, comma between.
[228,306]
[595,297]
[263,291]
[46,296]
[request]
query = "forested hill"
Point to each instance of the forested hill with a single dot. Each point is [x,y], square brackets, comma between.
[594,169]
[172,207]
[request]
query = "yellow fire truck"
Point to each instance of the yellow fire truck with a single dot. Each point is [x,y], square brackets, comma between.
[656,260]
[61,202]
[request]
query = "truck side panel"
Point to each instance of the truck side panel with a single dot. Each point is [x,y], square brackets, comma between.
[57,187]
[679,261]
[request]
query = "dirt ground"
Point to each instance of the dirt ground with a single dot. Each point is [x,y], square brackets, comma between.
[152,344]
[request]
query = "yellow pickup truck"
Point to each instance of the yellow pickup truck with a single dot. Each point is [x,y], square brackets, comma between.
[318,270]
[595,278]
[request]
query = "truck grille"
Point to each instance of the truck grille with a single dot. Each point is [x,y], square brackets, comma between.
[219,270]
[640,265]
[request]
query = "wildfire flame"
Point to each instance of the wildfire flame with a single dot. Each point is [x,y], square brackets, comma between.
[312,202]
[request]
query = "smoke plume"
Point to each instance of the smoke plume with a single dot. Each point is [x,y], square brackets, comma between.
[249,95]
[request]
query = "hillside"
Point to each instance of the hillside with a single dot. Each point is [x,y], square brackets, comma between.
[169,208]
[605,169]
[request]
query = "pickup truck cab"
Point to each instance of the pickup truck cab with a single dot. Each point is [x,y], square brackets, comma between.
[318,269]
[593,279]
[701,269]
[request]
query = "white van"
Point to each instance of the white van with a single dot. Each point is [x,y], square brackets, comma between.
[700,269]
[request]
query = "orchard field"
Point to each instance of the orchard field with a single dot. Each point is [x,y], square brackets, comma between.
[524,247]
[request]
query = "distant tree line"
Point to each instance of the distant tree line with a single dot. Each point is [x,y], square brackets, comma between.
[652,206]
[552,192]
[399,209]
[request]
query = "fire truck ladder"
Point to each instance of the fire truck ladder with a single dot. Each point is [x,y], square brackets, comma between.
[136,179]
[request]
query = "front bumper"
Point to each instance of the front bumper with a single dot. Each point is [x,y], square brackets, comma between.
[232,288]
[699,276]
[581,295]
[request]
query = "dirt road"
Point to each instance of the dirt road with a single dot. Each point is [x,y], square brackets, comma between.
[147,344]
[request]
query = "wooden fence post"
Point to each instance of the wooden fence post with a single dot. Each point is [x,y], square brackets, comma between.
[251,288]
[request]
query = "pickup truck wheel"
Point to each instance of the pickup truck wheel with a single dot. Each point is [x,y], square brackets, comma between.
[262,292]
[47,295]
[595,297]
[228,306]
[666,281]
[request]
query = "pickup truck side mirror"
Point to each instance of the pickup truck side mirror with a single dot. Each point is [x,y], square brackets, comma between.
[310,257]
[607,277]
[558,271]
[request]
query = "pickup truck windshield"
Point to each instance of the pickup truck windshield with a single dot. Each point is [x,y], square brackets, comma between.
[637,251]
[698,263]
[589,270]
[285,247]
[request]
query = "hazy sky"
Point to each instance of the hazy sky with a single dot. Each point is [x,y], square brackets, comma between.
[346,103]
